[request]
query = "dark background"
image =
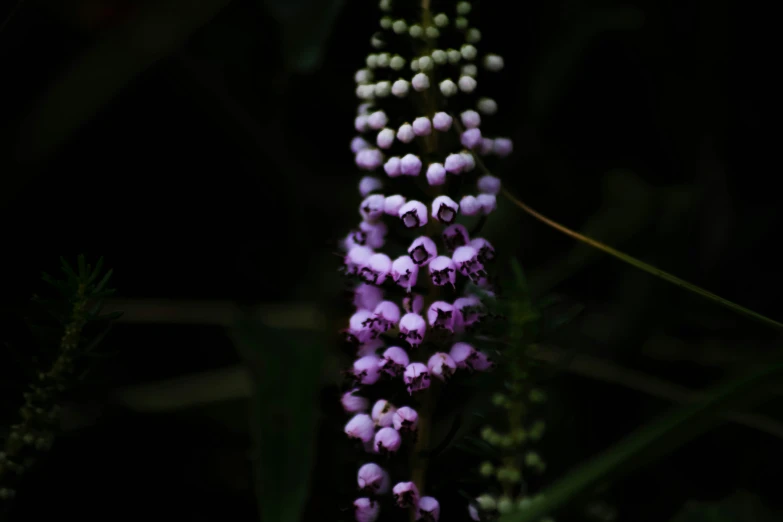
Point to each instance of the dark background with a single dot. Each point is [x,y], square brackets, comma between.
[202,149]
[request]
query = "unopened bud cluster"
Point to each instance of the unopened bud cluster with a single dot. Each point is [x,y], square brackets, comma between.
[516,457]
[420,126]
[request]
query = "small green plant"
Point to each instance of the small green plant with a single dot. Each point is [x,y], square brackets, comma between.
[74,310]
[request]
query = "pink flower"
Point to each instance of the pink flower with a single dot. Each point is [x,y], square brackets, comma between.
[412,329]
[441,366]
[416,377]
[467,312]
[360,427]
[405,272]
[382,413]
[405,419]
[442,121]
[471,138]
[486,251]
[377,269]
[357,258]
[440,315]
[387,315]
[367,296]
[455,236]
[467,262]
[405,494]
[428,510]
[365,369]
[373,479]
[422,126]
[387,440]
[444,209]
[366,510]
[413,303]
[413,214]
[394,361]
[443,271]
[371,209]
[353,403]
[422,250]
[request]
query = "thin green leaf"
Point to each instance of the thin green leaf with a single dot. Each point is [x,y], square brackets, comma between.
[83,267]
[102,283]
[96,271]
[286,367]
[67,269]
[652,440]
[642,265]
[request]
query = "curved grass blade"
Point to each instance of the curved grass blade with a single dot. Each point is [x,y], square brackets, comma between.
[644,266]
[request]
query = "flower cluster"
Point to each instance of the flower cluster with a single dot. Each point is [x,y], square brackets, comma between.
[419,125]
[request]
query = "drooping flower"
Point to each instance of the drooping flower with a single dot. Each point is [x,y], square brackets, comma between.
[416,377]
[387,315]
[353,403]
[387,440]
[405,494]
[366,510]
[405,272]
[405,419]
[455,236]
[382,413]
[444,209]
[440,315]
[422,250]
[393,361]
[373,479]
[443,271]
[365,369]
[428,509]
[412,329]
[360,427]
[413,214]
[441,366]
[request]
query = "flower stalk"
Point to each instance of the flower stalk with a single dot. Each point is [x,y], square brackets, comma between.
[416,305]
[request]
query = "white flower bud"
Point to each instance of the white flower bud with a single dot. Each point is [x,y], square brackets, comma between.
[466,84]
[372,61]
[439,56]
[386,22]
[473,35]
[448,88]
[415,31]
[469,69]
[461,23]
[415,65]
[397,62]
[441,20]
[426,63]
[365,92]
[363,76]
[382,89]
[399,26]
[487,106]
[383,59]
[454,56]
[385,5]
[463,8]
[468,52]
[432,32]
[421,82]
[400,88]
[493,62]
[376,42]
